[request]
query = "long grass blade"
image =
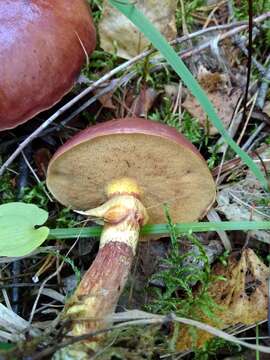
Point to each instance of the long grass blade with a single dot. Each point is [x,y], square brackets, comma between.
[160,43]
[163,229]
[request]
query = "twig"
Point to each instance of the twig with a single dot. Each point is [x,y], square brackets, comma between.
[36,176]
[42,286]
[213,216]
[6,299]
[247,145]
[51,350]
[114,83]
[234,163]
[140,318]
[224,36]
[57,271]
[246,117]
[124,66]
[235,122]
[247,205]
[260,101]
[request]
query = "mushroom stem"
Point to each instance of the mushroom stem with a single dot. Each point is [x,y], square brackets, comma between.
[97,295]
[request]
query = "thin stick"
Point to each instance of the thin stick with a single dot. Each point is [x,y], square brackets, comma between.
[36,176]
[247,145]
[213,216]
[247,117]
[48,279]
[221,37]
[143,319]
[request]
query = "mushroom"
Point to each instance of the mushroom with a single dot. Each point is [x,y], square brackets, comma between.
[124,171]
[43,45]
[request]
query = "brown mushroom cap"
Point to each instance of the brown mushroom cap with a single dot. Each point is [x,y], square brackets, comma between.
[167,167]
[43,45]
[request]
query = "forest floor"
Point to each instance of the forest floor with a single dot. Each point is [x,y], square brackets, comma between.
[218,278]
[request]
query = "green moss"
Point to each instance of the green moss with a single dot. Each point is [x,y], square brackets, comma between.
[211,347]
[7,188]
[190,7]
[96,7]
[181,278]
[185,124]
[241,8]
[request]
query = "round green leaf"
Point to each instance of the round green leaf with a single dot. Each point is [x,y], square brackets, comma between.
[18,233]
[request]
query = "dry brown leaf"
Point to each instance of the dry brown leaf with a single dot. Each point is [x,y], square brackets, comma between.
[211,81]
[42,158]
[244,295]
[242,298]
[106,100]
[223,98]
[118,35]
[186,342]
[143,102]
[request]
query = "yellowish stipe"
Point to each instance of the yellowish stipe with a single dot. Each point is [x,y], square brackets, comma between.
[123,186]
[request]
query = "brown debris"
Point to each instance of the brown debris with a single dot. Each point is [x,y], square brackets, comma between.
[242,298]
[144,102]
[106,100]
[244,294]
[222,97]
[42,158]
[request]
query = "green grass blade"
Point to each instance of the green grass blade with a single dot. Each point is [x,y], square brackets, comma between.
[257,342]
[71,233]
[163,229]
[160,43]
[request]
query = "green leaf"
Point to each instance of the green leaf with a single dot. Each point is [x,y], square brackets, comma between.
[147,28]
[18,233]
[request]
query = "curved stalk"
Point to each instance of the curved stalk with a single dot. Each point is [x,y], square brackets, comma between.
[96,297]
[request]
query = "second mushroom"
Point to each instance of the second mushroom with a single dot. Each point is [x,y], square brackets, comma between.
[124,171]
